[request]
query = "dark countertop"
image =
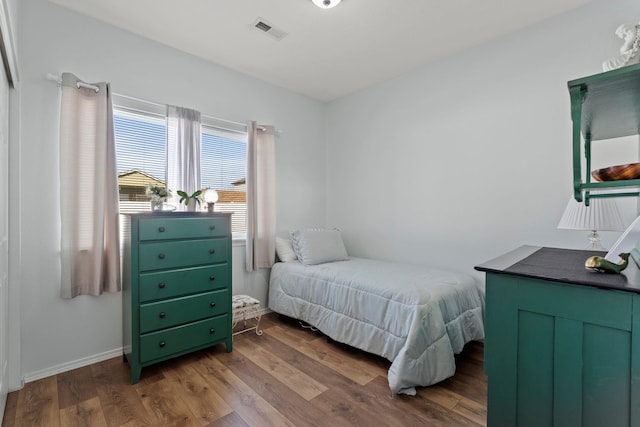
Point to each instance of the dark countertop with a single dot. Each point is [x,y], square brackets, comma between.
[561,265]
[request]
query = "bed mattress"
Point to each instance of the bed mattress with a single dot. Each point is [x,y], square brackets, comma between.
[415,316]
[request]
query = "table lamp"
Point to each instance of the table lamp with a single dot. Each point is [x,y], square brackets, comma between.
[210,197]
[602,214]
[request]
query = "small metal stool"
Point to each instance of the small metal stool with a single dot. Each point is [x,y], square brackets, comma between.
[246,308]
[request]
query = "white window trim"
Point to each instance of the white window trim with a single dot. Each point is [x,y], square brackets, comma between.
[136,105]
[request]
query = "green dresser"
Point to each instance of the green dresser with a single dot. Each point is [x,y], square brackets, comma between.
[562,344]
[177,286]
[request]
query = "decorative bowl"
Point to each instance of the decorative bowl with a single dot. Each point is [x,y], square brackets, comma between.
[617,173]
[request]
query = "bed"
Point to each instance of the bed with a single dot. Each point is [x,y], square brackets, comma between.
[417,317]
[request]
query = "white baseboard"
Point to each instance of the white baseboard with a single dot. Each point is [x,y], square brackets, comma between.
[68,366]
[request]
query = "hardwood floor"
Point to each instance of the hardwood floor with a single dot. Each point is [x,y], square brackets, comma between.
[287,377]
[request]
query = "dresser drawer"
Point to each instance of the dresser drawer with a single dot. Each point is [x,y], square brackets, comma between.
[165,255]
[175,283]
[177,311]
[164,343]
[183,228]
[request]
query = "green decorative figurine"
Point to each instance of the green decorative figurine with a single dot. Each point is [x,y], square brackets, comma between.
[601,265]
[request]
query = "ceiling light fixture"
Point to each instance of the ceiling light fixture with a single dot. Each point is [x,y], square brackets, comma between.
[326,4]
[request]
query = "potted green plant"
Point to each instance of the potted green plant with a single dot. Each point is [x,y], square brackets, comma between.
[190,201]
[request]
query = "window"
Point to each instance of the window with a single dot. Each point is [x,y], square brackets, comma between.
[223,164]
[141,132]
[141,146]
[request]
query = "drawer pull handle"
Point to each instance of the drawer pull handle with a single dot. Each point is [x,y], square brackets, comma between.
[161,285]
[212,251]
[161,256]
[212,227]
[213,304]
[162,343]
[212,278]
[162,315]
[212,331]
[161,229]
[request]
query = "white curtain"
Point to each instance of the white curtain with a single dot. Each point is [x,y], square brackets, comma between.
[89,243]
[183,151]
[261,197]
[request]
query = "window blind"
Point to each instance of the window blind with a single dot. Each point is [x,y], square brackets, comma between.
[140,156]
[223,163]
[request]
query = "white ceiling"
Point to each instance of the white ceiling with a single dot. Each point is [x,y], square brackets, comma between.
[328,53]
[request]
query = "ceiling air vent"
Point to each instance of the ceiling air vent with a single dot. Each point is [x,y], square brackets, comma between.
[267,28]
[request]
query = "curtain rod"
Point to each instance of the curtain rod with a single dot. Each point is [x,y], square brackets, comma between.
[58,80]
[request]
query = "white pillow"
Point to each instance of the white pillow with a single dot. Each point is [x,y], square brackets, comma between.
[285,250]
[317,246]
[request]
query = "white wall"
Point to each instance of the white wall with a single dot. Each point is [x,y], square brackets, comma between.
[470,157]
[57,333]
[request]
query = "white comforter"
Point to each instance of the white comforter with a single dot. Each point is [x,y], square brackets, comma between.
[417,317]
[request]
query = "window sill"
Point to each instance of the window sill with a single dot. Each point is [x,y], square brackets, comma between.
[239,239]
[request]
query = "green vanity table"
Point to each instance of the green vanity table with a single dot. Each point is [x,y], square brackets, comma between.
[176,295]
[562,343]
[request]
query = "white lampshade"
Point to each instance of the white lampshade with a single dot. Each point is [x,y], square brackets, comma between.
[211,195]
[602,214]
[326,4]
